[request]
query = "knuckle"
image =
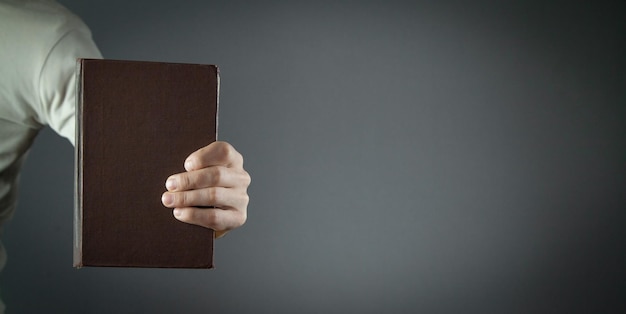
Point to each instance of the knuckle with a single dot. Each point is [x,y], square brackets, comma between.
[223,149]
[242,217]
[240,213]
[212,195]
[175,197]
[212,220]
[179,199]
[216,176]
[245,199]
[246,179]
[237,157]
[184,181]
[229,154]
[185,199]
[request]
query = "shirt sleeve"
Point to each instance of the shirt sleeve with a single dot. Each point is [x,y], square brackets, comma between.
[57,82]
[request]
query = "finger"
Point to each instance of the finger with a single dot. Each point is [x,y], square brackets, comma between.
[215,218]
[217,176]
[214,154]
[214,196]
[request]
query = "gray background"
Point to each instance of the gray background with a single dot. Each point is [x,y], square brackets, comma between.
[433,157]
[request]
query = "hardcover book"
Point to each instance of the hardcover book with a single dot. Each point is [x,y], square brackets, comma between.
[136,123]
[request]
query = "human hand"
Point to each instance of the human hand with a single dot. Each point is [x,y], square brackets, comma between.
[212,193]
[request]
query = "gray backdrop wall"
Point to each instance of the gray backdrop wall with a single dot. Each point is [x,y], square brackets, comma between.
[433,157]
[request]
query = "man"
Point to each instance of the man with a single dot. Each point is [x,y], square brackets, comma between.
[39,43]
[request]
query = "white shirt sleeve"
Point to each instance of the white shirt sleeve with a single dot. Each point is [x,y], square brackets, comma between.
[57,82]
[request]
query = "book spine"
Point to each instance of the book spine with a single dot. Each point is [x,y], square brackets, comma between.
[78,159]
[217,101]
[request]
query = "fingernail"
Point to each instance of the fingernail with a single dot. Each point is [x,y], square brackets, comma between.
[167,199]
[170,184]
[177,212]
[188,165]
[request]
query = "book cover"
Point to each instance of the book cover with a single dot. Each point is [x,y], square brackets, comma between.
[136,123]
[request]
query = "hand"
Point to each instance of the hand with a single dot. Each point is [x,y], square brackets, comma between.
[213,191]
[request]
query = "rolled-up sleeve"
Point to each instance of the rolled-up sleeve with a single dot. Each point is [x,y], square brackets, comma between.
[57,83]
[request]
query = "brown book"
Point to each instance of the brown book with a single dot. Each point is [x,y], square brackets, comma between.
[136,124]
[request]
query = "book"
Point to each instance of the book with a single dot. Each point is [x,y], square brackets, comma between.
[137,121]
